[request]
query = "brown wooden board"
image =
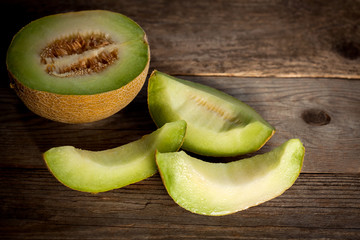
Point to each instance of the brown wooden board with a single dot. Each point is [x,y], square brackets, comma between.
[295,62]
[323,113]
[35,206]
[242,38]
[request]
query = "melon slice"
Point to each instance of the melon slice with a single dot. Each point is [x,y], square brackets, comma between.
[223,188]
[218,124]
[79,66]
[100,171]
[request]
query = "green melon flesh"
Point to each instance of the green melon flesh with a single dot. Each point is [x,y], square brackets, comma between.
[218,124]
[224,188]
[23,60]
[100,171]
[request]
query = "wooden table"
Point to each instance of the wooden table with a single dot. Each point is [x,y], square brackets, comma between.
[296,62]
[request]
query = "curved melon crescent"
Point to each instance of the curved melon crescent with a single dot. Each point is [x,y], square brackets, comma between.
[224,188]
[100,171]
[219,125]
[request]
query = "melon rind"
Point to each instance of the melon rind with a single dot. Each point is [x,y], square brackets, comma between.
[79,108]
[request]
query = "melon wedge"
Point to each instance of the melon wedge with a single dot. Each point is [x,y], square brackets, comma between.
[224,188]
[78,67]
[100,171]
[218,124]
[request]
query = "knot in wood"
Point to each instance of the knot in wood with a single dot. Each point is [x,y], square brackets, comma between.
[348,49]
[316,117]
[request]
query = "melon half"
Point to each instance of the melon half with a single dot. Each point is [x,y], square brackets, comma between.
[78,67]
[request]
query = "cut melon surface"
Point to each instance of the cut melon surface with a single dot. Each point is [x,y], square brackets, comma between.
[218,124]
[99,171]
[224,188]
[24,60]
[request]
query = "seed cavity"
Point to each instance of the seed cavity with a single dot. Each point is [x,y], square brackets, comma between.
[221,112]
[79,54]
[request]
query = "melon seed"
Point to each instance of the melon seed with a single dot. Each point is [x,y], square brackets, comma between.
[79,54]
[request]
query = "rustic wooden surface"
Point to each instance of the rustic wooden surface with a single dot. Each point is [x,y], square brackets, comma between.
[296,62]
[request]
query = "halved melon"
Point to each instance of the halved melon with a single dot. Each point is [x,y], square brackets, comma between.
[218,124]
[224,188]
[100,171]
[80,66]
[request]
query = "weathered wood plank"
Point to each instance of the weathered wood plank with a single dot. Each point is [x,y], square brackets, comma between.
[323,113]
[243,38]
[35,206]
[276,38]
[208,38]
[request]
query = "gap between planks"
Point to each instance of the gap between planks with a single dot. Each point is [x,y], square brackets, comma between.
[262,75]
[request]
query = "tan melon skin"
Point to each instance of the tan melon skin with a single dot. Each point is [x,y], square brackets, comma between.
[79,108]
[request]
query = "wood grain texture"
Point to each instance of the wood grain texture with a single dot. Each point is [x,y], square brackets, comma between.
[282,38]
[316,42]
[295,107]
[35,206]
